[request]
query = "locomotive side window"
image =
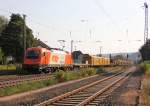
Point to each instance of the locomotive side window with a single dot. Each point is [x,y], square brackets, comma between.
[32,54]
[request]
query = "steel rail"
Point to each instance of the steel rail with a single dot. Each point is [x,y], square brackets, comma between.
[18,77]
[89,99]
[58,98]
[21,80]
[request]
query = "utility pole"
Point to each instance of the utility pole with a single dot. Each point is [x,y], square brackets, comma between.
[90,32]
[100,48]
[110,56]
[24,33]
[146,23]
[71,46]
[127,55]
[62,43]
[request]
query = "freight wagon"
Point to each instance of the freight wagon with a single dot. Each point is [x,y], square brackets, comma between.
[97,61]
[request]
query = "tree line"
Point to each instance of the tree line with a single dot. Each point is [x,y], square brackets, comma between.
[11,38]
[145,51]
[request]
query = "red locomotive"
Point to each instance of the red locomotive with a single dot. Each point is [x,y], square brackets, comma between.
[42,59]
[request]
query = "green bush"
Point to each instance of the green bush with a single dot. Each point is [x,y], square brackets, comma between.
[100,70]
[71,75]
[91,71]
[146,67]
[66,76]
[60,75]
[83,73]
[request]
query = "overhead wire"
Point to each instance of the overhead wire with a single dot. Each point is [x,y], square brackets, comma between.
[105,12]
[46,26]
[38,23]
[100,6]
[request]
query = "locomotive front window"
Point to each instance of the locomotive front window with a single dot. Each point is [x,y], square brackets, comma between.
[32,54]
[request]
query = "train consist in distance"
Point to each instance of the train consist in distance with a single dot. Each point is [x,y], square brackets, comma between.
[38,59]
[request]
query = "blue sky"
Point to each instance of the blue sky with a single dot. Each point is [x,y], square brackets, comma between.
[104,20]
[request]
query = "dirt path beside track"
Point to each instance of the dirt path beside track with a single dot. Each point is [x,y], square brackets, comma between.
[128,94]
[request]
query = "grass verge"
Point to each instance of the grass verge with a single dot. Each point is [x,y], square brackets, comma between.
[145,91]
[59,76]
[26,87]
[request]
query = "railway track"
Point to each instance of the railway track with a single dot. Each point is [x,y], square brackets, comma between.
[16,80]
[12,81]
[91,94]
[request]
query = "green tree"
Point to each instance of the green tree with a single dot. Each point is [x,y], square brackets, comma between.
[145,50]
[1,56]
[12,38]
[3,23]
